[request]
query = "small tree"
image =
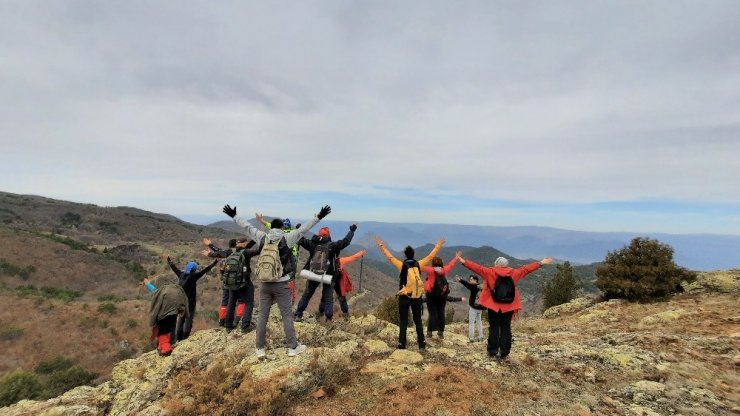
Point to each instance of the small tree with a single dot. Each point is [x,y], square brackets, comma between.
[562,287]
[388,310]
[641,271]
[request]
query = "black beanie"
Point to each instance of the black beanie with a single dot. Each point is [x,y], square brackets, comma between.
[276,224]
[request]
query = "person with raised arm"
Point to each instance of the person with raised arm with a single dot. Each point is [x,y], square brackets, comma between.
[437,290]
[500,296]
[274,268]
[410,290]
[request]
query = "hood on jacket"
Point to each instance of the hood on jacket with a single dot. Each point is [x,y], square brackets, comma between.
[275,234]
[191,266]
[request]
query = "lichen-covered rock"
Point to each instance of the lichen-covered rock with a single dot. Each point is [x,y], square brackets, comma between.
[376,346]
[725,281]
[406,357]
[575,305]
[651,321]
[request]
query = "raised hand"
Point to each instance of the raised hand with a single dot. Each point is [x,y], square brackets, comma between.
[362,253]
[259,218]
[231,212]
[546,260]
[378,241]
[326,210]
[169,260]
[206,241]
[441,241]
[458,254]
[353,227]
[458,278]
[205,253]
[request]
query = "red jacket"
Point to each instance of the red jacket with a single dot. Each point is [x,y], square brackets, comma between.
[431,276]
[490,274]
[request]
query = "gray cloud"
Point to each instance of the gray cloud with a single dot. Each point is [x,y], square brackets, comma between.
[578,101]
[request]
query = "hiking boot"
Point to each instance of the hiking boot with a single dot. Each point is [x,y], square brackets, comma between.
[401,346]
[298,318]
[423,346]
[429,334]
[292,352]
[247,329]
[441,335]
[260,352]
[346,316]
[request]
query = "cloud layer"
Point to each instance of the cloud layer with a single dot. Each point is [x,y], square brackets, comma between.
[177,107]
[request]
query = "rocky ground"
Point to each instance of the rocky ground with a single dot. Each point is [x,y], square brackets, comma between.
[680,356]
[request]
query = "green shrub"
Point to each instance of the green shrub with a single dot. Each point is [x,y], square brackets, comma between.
[11,333]
[64,294]
[562,287]
[107,307]
[20,385]
[388,310]
[71,219]
[110,298]
[9,269]
[62,380]
[132,323]
[643,270]
[54,364]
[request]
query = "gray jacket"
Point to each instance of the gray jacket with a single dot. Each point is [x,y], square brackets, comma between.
[291,238]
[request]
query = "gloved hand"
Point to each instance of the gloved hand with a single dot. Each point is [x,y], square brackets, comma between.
[353,227]
[326,210]
[231,212]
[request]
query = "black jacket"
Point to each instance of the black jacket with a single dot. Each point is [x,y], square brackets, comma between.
[473,293]
[334,248]
[189,281]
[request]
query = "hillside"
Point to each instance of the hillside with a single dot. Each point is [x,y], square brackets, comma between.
[582,358]
[78,268]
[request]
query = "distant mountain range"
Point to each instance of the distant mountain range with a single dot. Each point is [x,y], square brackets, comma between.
[694,251]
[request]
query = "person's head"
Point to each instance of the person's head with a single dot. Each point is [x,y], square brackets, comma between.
[473,279]
[408,252]
[437,262]
[242,242]
[276,224]
[191,267]
[324,233]
[501,262]
[286,224]
[232,243]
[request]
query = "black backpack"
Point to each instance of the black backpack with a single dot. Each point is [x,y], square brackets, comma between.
[441,288]
[235,271]
[503,290]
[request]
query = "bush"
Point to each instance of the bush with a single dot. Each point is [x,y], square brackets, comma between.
[641,271]
[562,287]
[71,219]
[110,298]
[107,307]
[388,310]
[47,292]
[9,269]
[62,380]
[20,385]
[11,333]
[131,323]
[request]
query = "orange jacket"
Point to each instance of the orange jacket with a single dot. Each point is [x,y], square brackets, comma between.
[490,274]
[399,263]
[345,283]
[431,276]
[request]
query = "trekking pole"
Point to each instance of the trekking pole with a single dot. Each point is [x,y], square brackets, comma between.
[361,260]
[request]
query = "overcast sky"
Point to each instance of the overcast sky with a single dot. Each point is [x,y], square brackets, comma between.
[613,116]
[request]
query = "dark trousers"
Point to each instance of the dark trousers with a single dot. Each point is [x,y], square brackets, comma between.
[404,304]
[499,332]
[436,308]
[244,296]
[342,299]
[166,325]
[326,307]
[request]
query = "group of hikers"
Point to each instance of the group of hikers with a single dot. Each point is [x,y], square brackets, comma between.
[492,289]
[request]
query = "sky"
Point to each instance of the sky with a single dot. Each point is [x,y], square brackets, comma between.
[594,116]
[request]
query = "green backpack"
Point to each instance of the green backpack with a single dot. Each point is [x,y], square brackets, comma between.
[235,271]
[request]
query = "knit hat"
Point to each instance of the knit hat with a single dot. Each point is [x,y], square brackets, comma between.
[286,223]
[501,261]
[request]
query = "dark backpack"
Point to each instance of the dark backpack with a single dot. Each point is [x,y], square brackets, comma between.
[235,271]
[320,261]
[441,288]
[503,290]
[476,298]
